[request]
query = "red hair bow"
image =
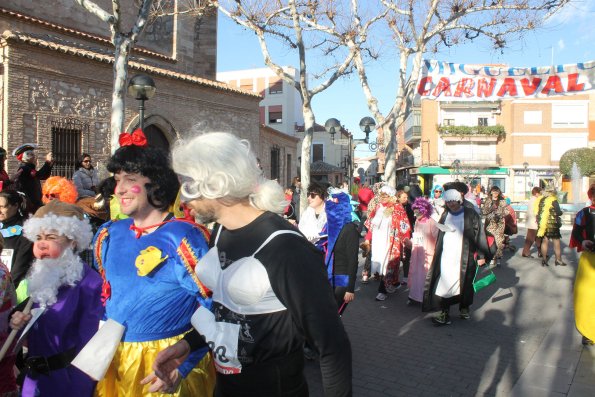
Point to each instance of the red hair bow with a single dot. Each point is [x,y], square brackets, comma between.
[137,138]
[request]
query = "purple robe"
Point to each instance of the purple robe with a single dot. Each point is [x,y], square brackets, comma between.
[68,323]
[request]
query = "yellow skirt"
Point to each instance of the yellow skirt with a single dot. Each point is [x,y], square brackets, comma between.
[133,361]
[584,295]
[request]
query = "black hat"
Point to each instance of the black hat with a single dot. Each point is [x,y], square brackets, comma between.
[23,148]
[2,152]
[459,186]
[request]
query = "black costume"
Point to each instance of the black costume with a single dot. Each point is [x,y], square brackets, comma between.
[474,242]
[22,254]
[28,181]
[263,306]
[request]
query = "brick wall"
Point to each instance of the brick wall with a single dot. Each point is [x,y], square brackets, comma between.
[44,84]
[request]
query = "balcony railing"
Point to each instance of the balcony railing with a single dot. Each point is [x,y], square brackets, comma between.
[413,134]
[471,159]
[496,131]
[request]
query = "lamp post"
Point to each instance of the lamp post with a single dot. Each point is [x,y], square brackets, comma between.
[367,124]
[526,167]
[332,126]
[142,88]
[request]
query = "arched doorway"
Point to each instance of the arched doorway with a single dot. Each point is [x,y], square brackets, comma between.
[156,137]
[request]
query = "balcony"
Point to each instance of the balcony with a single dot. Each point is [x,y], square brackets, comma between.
[479,133]
[412,126]
[479,160]
[413,134]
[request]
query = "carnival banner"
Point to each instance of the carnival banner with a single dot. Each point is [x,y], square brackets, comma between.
[444,81]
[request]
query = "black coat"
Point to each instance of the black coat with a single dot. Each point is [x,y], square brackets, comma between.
[23,249]
[474,242]
[28,181]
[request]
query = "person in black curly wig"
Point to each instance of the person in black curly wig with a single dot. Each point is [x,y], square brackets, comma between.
[147,264]
[152,163]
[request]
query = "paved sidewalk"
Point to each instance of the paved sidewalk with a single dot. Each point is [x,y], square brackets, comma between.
[521,340]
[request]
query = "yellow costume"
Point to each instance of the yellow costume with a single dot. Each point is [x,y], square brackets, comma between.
[584,295]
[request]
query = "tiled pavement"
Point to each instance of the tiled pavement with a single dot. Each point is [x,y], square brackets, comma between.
[520,341]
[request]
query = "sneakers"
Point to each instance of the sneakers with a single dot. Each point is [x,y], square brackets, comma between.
[381,297]
[364,279]
[391,289]
[464,314]
[442,319]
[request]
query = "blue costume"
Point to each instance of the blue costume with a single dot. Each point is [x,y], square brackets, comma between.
[150,287]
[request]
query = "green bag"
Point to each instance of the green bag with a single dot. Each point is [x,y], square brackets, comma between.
[480,284]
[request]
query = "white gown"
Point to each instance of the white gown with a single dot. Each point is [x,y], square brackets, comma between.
[380,241]
[449,284]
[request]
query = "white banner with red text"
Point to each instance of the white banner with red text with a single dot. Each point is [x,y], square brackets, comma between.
[445,81]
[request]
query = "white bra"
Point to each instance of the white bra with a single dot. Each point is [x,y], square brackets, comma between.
[243,287]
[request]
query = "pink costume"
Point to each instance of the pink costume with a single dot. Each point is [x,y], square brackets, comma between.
[422,253]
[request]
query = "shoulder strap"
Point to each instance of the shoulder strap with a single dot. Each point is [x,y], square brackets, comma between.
[217,236]
[272,236]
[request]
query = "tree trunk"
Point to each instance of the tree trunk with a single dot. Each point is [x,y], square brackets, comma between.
[122,51]
[306,146]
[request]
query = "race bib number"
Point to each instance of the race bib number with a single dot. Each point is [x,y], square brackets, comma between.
[417,239]
[222,338]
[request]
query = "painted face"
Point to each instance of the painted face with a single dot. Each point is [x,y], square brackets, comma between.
[314,200]
[50,245]
[453,206]
[7,211]
[132,193]
[86,162]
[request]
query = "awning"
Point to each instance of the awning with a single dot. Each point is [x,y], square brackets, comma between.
[434,170]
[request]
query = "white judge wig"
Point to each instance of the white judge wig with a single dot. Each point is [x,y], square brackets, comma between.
[221,166]
[452,195]
[65,219]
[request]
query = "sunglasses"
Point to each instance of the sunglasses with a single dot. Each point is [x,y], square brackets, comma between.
[437,191]
[313,195]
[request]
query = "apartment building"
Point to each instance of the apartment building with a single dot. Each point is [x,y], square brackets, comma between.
[281,109]
[514,144]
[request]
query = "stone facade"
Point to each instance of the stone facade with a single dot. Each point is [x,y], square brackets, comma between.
[56,71]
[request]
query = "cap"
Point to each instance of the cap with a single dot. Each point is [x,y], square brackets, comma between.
[23,148]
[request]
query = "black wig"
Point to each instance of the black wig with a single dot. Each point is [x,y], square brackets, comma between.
[153,163]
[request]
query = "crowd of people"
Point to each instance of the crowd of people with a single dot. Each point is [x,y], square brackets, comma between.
[210,281]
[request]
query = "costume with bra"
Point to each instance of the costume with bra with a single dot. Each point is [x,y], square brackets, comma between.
[268,291]
[150,288]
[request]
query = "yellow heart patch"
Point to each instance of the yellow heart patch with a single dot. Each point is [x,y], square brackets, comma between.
[148,260]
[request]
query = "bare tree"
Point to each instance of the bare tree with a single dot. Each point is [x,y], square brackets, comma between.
[123,42]
[283,21]
[418,28]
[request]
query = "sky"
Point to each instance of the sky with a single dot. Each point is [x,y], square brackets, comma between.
[567,37]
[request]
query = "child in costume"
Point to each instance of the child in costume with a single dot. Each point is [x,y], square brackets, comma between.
[68,293]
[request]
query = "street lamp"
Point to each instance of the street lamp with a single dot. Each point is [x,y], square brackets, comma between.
[526,166]
[367,124]
[142,88]
[332,126]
